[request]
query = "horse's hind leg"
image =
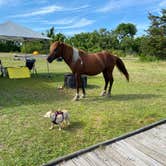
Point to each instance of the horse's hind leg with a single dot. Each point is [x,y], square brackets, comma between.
[78,80]
[110,86]
[106,79]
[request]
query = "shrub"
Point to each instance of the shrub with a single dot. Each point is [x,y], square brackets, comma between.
[148,58]
[119,53]
[30,47]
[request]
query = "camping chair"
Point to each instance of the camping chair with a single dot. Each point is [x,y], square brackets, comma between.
[30,64]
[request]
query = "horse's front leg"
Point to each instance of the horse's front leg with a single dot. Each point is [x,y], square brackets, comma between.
[83,88]
[78,79]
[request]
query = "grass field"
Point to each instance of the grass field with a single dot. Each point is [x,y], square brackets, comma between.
[25,138]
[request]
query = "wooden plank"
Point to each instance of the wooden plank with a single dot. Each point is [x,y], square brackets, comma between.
[138,154]
[79,161]
[108,159]
[160,124]
[147,150]
[66,163]
[128,154]
[158,139]
[85,157]
[158,132]
[152,142]
[118,156]
[102,158]
[94,158]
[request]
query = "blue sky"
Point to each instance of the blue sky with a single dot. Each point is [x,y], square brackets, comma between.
[75,16]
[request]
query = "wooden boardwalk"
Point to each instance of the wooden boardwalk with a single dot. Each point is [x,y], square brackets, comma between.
[146,146]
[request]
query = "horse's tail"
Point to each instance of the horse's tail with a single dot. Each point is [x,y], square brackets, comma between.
[120,65]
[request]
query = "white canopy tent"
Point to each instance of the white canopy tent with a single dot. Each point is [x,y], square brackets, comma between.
[13,31]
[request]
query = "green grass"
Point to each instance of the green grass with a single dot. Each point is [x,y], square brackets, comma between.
[24,135]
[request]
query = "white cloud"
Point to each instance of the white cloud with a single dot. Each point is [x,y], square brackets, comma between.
[41,29]
[113,5]
[41,11]
[49,9]
[80,23]
[64,21]
[157,8]
[77,8]
[71,33]
[162,4]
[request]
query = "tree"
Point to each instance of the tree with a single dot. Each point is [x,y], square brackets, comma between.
[59,37]
[137,44]
[155,42]
[127,44]
[29,47]
[125,30]
[9,46]
[51,32]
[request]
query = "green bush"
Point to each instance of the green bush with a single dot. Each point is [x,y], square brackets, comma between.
[148,58]
[9,46]
[119,53]
[29,47]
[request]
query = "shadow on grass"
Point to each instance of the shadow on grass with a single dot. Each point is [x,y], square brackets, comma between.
[58,77]
[75,125]
[34,90]
[90,86]
[38,89]
[125,97]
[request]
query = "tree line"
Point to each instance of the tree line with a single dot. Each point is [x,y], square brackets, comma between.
[121,41]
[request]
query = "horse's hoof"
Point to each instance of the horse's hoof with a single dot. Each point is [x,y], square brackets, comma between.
[103,93]
[75,98]
[108,95]
[82,96]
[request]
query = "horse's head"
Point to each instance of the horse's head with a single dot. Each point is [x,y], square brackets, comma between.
[55,51]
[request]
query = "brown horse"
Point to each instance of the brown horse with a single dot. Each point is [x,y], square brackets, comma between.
[81,62]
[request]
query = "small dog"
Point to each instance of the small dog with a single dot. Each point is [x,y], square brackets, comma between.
[59,118]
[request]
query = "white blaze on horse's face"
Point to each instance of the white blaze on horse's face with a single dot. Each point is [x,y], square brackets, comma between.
[76,55]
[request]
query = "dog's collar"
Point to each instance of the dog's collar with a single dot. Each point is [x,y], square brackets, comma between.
[55,118]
